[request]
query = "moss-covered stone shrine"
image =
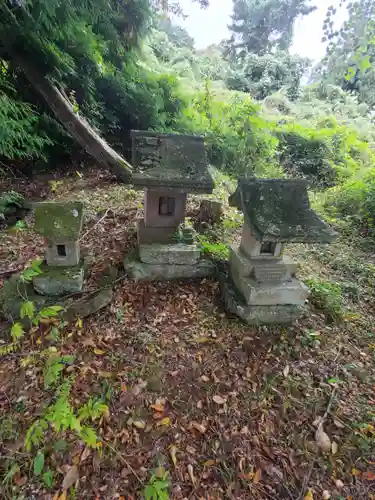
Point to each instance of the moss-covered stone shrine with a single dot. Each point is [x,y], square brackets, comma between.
[60,224]
[262,286]
[168,166]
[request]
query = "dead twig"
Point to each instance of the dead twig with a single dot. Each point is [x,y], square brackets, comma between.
[125,462]
[96,224]
[306,480]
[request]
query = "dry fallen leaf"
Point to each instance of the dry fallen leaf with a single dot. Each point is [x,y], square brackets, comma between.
[369,476]
[334,448]
[204,378]
[164,421]
[105,374]
[219,400]
[199,427]
[309,495]
[99,352]
[322,439]
[339,484]
[338,424]
[139,424]
[191,473]
[172,452]
[85,454]
[258,476]
[286,371]
[356,472]
[326,495]
[70,478]
[209,463]
[63,495]
[160,407]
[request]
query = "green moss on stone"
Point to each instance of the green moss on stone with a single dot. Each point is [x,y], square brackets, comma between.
[59,221]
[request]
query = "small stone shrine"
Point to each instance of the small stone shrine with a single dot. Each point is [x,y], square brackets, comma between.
[60,224]
[263,287]
[168,166]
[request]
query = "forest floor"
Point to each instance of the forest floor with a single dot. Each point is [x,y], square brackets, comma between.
[216,408]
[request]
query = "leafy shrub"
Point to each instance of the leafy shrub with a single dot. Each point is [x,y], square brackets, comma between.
[238,138]
[326,155]
[20,134]
[354,201]
[326,296]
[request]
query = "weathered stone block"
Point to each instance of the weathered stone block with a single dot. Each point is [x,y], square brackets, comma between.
[59,221]
[268,294]
[253,248]
[259,315]
[179,253]
[158,272]
[211,211]
[147,235]
[262,270]
[59,280]
[63,254]
[164,207]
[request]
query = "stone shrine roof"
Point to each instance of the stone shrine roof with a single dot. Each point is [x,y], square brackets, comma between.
[278,210]
[59,222]
[170,160]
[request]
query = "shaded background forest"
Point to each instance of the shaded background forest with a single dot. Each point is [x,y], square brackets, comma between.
[124,65]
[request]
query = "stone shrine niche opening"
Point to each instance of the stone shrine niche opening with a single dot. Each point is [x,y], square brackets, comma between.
[268,248]
[167,206]
[61,250]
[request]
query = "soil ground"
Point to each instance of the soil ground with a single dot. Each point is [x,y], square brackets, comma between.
[226,410]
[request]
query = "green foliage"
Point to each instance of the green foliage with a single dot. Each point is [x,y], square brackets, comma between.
[38,463]
[351,50]
[17,332]
[327,296]
[354,201]
[54,365]
[261,25]
[9,201]
[158,486]
[266,74]
[61,417]
[20,134]
[28,274]
[216,251]
[27,310]
[238,138]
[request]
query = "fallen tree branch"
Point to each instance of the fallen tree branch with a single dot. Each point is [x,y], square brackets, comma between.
[74,123]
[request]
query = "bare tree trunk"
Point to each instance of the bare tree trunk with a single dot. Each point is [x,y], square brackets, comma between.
[75,124]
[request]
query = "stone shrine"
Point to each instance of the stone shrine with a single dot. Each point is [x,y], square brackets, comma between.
[168,167]
[60,224]
[263,287]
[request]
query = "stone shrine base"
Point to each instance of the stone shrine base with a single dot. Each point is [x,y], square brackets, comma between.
[258,315]
[167,262]
[58,281]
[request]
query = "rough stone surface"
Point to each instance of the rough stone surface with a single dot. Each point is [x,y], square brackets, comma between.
[158,272]
[59,221]
[147,235]
[71,257]
[152,201]
[89,305]
[262,270]
[11,300]
[278,210]
[170,160]
[259,315]
[269,294]
[211,211]
[59,280]
[179,253]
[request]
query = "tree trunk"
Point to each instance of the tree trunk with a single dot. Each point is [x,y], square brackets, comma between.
[75,124]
